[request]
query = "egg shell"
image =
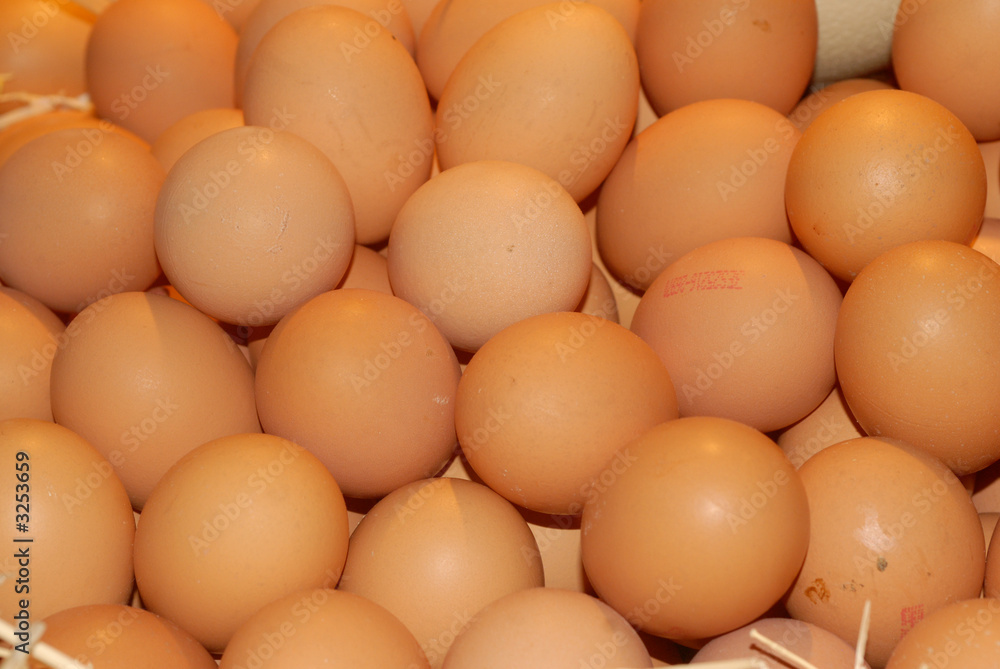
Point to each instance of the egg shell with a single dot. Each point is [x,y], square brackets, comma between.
[989,521]
[47,42]
[454,28]
[251,223]
[701,532]
[365,382]
[991,157]
[235,12]
[735,313]
[367,270]
[986,490]
[890,524]
[121,637]
[964,80]
[16,135]
[963,634]
[810,642]
[27,347]
[332,628]
[435,552]
[555,87]
[762,51]
[880,169]
[915,353]
[711,170]
[389,15]
[150,63]
[487,244]
[78,217]
[539,628]
[244,509]
[78,519]
[376,126]
[830,423]
[185,133]
[599,300]
[823,98]
[544,406]
[52,323]
[146,378]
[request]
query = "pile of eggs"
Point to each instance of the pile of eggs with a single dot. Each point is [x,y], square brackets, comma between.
[417,334]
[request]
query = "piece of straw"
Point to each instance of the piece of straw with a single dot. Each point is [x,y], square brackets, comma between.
[862,646]
[780,651]
[39,650]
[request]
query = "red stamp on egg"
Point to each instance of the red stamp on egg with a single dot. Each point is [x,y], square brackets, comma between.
[718,279]
[909,616]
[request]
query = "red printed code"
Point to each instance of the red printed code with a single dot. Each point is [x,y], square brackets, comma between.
[909,616]
[719,279]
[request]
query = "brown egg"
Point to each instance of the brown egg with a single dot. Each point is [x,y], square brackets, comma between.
[48,318]
[390,15]
[46,45]
[991,156]
[75,544]
[454,27]
[244,510]
[915,353]
[185,133]
[701,532]
[122,637]
[554,88]
[545,405]
[987,240]
[880,169]
[419,10]
[989,522]
[15,136]
[329,628]
[762,51]
[77,221]
[236,12]
[890,524]
[599,300]
[252,223]
[487,244]
[963,634]
[712,170]
[626,298]
[366,383]
[925,60]
[810,642]
[27,347]
[822,99]
[830,423]
[745,328]
[146,378]
[546,627]
[367,270]
[435,552]
[150,63]
[365,106]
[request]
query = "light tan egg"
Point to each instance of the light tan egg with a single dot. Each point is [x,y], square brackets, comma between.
[185,133]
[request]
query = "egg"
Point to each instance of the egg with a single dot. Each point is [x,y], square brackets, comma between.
[546,627]
[150,63]
[880,169]
[925,61]
[365,382]
[555,87]
[734,312]
[454,27]
[991,157]
[558,539]
[700,531]
[146,378]
[368,270]
[199,541]
[27,346]
[599,300]
[822,99]
[964,633]
[365,106]
[332,628]
[388,15]
[251,223]
[77,221]
[173,142]
[890,524]
[709,171]
[914,351]
[810,642]
[115,636]
[74,547]
[532,432]
[830,423]
[435,552]
[487,244]
[762,50]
